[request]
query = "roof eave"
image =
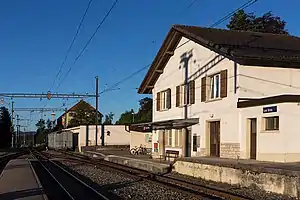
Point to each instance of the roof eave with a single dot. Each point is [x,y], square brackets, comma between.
[165,52]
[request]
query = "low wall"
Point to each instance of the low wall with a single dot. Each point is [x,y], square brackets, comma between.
[287,184]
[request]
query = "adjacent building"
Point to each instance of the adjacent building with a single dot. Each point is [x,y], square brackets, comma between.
[66,117]
[229,94]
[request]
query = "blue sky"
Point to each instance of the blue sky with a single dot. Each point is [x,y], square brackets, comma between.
[35,36]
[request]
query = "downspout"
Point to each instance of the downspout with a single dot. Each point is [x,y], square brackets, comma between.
[235,77]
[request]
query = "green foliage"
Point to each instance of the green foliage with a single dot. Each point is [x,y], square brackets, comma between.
[49,124]
[144,113]
[108,118]
[126,118]
[40,136]
[267,23]
[5,128]
[84,115]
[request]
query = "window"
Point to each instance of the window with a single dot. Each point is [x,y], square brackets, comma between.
[185,94]
[168,137]
[214,90]
[178,135]
[271,123]
[214,87]
[196,142]
[164,96]
[163,100]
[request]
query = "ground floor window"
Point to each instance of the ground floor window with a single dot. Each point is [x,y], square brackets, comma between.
[168,137]
[196,142]
[178,136]
[272,123]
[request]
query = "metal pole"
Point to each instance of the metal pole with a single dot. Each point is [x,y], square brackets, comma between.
[12,123]
[97,98]
[18,130]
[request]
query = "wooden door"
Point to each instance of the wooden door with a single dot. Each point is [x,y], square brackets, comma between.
[215,138]
[253,138]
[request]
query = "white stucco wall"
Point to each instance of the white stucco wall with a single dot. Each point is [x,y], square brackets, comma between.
[278,145]
[223,109]
[251,81]
[138,138]
[118,135]
[267,81]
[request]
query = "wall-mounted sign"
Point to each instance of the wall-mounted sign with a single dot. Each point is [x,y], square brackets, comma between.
[269,109]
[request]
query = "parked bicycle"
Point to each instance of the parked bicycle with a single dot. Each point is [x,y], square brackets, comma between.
[139,150]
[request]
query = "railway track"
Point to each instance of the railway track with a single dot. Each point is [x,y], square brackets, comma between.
[67,186]
[204,191]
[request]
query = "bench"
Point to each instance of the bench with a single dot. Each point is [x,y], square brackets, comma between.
[170,154]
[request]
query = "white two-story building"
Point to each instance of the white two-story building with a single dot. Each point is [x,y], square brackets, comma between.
[231,94]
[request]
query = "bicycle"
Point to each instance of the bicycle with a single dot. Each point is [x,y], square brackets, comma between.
[139,150]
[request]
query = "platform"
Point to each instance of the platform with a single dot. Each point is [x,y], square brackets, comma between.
[140,162]
[281,178]
[19,181]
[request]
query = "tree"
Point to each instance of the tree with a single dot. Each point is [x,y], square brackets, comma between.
[144,113]
[49,124]
[108,118]
[40,136]
[5,128]
[84,115]
[267,23]
[126,118]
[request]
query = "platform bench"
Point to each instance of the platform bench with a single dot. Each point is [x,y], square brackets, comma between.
[170,154]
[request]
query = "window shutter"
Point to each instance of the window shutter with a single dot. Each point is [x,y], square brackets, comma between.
[203,89]
[158,101]
[176,138]
[192,92]
[177,96]
[224,83]
[169,98]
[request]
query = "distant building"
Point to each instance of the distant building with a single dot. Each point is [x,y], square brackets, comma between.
[66,117]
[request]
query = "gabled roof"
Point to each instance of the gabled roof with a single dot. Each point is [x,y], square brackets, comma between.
[76,105]
[243,47]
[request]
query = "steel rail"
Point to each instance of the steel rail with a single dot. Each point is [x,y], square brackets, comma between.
[69,174]
[161,178]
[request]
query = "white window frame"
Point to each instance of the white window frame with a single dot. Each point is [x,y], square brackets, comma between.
[169,137]
[275,128]
[215,86]
[183,95]
[178,133]
[164,100]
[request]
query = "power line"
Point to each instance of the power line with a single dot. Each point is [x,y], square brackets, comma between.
[88,42]
[72,43]
[247,4]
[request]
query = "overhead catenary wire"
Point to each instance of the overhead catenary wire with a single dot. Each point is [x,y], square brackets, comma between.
[245,5]
[87,43]
[72,43]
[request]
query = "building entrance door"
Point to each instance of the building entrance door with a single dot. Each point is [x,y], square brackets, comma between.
[215,138]
[188,143]
[253,138]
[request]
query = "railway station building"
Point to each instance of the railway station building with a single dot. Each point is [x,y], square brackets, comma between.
[228,94]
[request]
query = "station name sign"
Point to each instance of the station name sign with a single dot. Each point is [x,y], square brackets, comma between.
[269,109]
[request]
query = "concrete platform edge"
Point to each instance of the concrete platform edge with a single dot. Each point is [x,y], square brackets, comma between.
[38,181]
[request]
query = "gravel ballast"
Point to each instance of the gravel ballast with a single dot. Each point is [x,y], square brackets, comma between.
[126,186]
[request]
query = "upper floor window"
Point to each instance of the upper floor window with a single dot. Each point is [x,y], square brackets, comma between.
[214,86]
[185,94]
[163,100]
